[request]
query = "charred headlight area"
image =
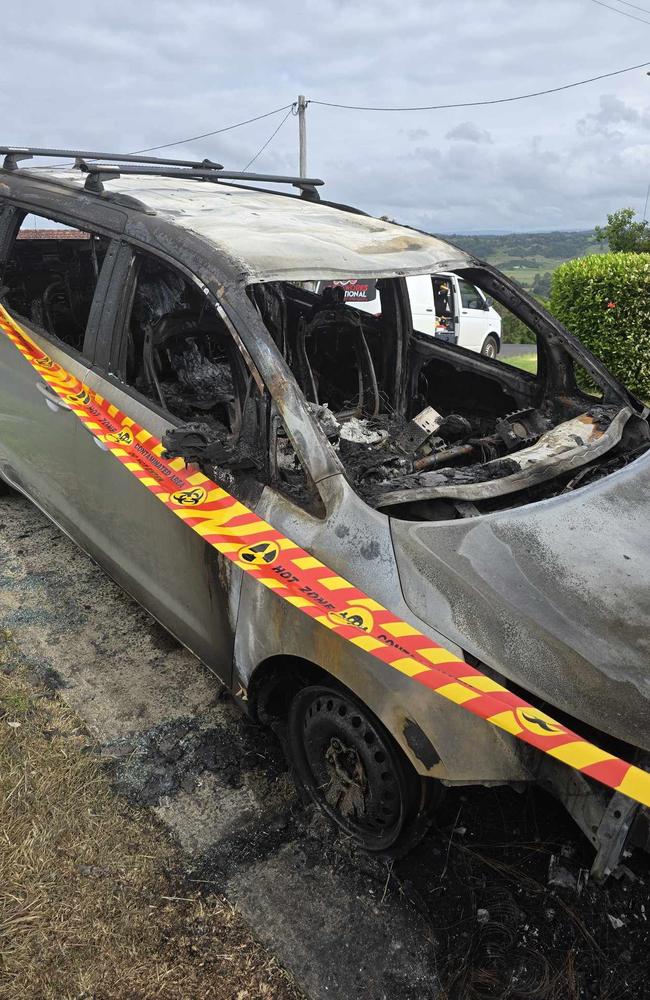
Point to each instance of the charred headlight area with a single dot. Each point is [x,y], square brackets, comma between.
[427,430]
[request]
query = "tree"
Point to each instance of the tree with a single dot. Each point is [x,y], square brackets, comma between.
[541,286]
[624,234]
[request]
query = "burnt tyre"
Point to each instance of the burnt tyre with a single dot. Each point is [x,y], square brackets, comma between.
[352,769]
[490,347]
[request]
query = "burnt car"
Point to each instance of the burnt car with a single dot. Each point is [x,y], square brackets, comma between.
[503,513]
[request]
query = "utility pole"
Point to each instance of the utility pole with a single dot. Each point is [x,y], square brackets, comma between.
[302,134]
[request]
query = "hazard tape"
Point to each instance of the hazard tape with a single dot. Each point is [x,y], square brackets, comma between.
[306,583]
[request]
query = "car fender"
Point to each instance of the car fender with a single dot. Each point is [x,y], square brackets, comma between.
[439,738]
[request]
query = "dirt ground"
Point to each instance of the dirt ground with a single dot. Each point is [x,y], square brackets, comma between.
[94,901]
[495,902]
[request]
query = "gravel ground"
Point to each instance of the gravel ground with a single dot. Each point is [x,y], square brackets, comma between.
[494,903]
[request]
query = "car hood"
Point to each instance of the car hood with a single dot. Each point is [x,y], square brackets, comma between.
[554,595]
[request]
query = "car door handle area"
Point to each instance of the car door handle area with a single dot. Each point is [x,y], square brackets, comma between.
[55,403]
[52,400]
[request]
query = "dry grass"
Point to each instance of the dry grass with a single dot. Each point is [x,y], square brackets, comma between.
[88,908]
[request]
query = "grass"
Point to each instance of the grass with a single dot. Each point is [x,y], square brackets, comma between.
[89,903]
[527,362]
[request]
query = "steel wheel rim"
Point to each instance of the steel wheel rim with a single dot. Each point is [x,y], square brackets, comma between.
[349,767]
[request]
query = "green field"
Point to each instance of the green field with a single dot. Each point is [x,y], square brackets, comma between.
[530,258]
[527,362]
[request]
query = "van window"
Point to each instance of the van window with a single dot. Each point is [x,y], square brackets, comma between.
[470,296]
[50,277]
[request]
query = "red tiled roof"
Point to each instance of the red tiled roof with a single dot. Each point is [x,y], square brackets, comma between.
[52,234]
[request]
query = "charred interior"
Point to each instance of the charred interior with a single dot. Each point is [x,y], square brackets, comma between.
[424,429]
[51,277]
[427,430]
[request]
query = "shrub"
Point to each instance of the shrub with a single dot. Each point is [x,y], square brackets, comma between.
[604,300]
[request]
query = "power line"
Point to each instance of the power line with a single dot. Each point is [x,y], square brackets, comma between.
[269,140]
[636,6]
[218,131]
[500,100]
[623,13]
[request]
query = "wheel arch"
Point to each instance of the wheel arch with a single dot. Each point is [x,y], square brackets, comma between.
[497,337]
[274,681]
[440,742]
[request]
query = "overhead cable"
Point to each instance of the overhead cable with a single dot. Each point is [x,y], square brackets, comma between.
[623,13]
[635,6]
[218,131]
[476,104]
[269,140]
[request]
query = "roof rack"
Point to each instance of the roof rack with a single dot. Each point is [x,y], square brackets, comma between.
[98,173]
[13,154]
[132,163]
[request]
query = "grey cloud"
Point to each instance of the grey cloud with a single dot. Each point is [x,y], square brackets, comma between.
[469,132]
[613,111]
[128,75]
[414,134]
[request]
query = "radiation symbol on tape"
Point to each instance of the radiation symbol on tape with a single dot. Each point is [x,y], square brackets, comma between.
[192,497]
[46,363]
[120,437]
[357,616]
[78,397]
[538,722]
[259,554]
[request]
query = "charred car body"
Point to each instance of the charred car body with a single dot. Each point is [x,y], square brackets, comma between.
[502,513]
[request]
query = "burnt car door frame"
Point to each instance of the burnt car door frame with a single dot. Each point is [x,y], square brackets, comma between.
[557,346]
[48,470]
[11,220]
[181,581]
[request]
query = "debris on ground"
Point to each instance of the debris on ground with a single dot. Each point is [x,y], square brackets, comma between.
[513,910]
[173,755]
[559,875]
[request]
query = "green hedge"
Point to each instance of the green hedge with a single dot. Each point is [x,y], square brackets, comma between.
[604,300]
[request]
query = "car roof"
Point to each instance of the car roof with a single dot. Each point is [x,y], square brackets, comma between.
[271,237]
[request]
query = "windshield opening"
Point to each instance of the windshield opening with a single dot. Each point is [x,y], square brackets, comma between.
[432,413]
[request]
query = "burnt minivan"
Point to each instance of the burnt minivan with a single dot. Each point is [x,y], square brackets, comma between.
[502,512]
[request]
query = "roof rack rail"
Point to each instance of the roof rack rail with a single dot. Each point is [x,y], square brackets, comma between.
[13,154]
[133,163]
[99,172]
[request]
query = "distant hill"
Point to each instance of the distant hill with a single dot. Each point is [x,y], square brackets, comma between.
[530,258]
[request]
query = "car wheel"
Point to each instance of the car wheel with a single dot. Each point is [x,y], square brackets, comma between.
[490,348]
[352,769]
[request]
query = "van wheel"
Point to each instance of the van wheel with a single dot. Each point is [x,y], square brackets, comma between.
[490,347]
[352,769]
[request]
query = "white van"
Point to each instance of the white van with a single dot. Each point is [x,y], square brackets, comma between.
[443,305]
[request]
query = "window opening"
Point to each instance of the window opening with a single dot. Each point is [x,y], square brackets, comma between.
[51,275]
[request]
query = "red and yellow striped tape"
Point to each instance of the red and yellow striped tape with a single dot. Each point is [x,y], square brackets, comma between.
[306,583]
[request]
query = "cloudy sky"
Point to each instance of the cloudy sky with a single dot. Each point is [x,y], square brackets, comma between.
[133,73]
